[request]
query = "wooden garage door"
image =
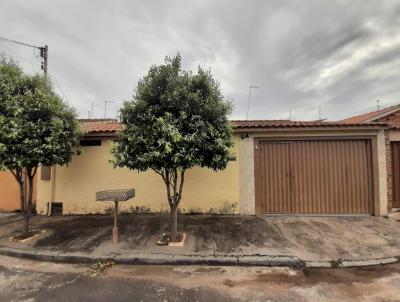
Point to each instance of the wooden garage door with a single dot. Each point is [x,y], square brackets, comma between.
[396,173]
[314,177]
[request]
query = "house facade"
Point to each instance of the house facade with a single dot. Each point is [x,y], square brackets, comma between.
[276,167]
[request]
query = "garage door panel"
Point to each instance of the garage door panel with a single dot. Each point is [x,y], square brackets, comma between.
[330,177]
[275,173]
[316,177]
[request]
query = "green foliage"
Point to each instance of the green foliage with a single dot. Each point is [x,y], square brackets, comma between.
[140,210]
[177,120]
[228,208]
[99,268]
[36,126]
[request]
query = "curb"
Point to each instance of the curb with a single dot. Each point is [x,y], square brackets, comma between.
[217,260]
[157,259]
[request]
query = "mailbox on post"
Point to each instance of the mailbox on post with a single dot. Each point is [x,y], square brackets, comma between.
[116,196]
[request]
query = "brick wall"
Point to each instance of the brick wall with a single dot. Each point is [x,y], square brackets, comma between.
[389,171]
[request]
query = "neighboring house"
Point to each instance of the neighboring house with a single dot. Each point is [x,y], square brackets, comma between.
[390,116]
[9,192]
[277,166]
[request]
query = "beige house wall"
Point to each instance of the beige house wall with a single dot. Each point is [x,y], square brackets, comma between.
[382,174]
[9,192]
[75,185]
[247,147]
[394,135]
[246,176]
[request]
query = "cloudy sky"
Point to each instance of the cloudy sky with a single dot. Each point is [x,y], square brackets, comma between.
[340,55]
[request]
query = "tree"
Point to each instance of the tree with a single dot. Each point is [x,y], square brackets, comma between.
[177,120]
[36,128]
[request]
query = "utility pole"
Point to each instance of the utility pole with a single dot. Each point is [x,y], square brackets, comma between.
[92,111]
[248,103]
[320,113]
[44,54]
[105,107]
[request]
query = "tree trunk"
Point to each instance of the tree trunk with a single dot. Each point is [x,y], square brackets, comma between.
[174,221]
[26,223]
[18,174]
[21,196]
[29,205]
[170,178]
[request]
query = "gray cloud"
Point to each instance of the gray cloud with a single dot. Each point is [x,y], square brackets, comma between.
[342,55]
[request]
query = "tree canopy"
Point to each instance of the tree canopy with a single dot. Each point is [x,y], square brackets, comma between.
[177,120]
[36,126]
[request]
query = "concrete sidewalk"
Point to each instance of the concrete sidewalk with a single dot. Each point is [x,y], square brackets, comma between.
[224,240]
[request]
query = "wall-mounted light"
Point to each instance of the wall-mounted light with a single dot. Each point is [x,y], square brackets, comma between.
[244,135]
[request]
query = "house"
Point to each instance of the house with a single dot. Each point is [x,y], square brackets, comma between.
[277,166]
[390,116]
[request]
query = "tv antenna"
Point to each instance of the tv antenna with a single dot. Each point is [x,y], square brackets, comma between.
[248,103]
[378,108]
[105,107]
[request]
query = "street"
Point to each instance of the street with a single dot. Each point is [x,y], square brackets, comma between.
[25,280]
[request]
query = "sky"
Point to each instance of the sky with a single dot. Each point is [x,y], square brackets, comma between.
[310,59]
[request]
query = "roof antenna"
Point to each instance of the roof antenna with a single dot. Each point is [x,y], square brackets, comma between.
[248,103]
[105,107]
[378,108]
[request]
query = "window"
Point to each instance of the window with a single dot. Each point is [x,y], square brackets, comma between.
[45,173]
[90,142]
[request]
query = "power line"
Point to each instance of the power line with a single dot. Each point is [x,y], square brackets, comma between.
[18,42]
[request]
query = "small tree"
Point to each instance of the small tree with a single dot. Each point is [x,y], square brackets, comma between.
[36,128]
[176,120]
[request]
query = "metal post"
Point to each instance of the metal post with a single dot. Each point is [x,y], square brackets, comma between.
[248,103]
[115,228]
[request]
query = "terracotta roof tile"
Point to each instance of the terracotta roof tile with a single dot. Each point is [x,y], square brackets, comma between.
[369,115]
[111,126]
[238,124]
[100,125]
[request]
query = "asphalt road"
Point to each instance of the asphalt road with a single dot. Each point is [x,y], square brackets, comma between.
[29,281]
